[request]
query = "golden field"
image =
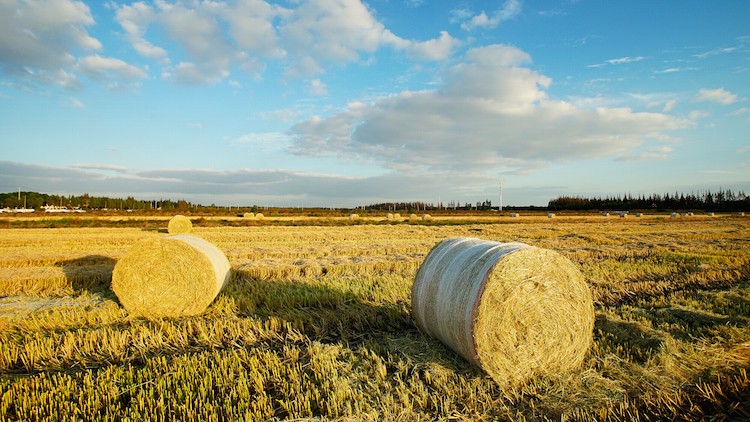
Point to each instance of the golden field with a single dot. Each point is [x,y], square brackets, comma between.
[316,324]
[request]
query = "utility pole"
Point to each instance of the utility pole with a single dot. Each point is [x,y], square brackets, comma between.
[501,195]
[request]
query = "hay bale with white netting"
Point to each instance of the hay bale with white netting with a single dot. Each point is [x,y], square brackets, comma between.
[179,224]
[514,310]
[170,276]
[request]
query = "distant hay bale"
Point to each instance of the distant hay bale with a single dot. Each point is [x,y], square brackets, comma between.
[606,214]
[623,215]
[690,214]
[248,215]
[673,215]
[639,215]
[514,310]
[389,216]
[396,216]
[515,214]
[426,217]
[550,215]
[353,217]
[170,276]
[259,216]
[741,214]
[412,216]
[179,224]
[710,214]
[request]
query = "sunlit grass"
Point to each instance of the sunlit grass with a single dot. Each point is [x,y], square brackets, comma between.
[316,323]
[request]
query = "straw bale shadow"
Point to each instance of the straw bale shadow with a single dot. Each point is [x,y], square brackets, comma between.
[639,341]
[331,316]
[92,273]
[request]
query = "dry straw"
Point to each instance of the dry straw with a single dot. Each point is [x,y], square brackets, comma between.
[179,224]
[259,216]
[353,216]
[426,217]
[248,215]
[514,310]
[413,216]
[170,276]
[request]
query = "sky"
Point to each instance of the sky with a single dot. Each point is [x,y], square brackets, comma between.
[342,103]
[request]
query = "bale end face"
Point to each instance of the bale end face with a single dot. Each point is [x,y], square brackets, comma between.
[179,224]
[170,276]
[513,310]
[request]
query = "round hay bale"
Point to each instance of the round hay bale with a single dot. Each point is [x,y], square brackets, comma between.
[639,214]
[248,215]
[550,215]
[396,216]
[353,217]
[514,214]
[673,215]
[623,215]
[170,276]
[710,214]
[412,216]
[389,216]
[513,310]
[179,224]
[426,217]
[741,214]
[606,214]
[259,216]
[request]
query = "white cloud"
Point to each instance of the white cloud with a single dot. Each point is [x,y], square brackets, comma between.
[509,10]
[195,125]
[75,103]
[653,154]
[270,141]
[740,111]
[697,114]
[492,113]
[742,150]
[317,88]
[625,60]
[716,96]
[217,36]
[105,68]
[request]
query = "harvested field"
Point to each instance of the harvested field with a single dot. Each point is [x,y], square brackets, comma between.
[316,323]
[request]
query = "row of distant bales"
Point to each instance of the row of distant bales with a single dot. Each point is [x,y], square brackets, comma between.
[397,216]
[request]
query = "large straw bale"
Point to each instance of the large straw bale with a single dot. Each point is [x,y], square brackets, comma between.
[248,215]
[179,224]
[170,276]
[514,310]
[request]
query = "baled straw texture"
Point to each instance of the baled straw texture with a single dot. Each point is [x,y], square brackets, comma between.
[170,276]
[259,216]
[412,216]
[426,217]
[514,310]
[248,215]
[179,224]
[353,216]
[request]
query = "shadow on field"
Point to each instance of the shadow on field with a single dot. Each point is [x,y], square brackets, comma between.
[92,273]
[329,315]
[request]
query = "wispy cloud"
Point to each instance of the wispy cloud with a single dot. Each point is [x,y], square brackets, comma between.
[653,154]
[509,10]
[715,52]
[720,96]
[195,125]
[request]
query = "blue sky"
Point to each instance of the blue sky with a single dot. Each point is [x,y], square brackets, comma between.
[343,103]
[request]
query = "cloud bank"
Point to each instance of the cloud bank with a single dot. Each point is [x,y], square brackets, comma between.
[491,116]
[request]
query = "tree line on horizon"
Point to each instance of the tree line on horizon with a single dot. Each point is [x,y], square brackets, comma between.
[720,201]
